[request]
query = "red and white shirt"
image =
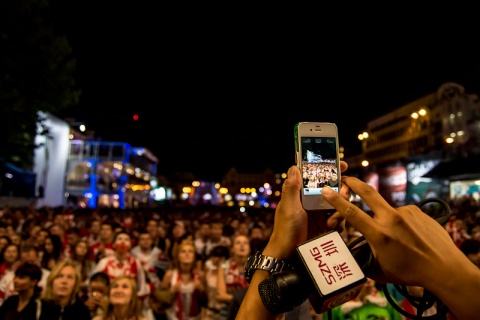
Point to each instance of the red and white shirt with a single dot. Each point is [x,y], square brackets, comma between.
[149,261]
[131,267]
[234,277]
[95,249]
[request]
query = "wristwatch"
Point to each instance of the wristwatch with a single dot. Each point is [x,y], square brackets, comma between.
[261,262]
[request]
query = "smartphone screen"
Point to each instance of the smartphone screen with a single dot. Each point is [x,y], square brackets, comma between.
[318,161]
[319,164]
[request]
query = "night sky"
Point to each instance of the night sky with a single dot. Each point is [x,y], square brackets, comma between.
[212,95]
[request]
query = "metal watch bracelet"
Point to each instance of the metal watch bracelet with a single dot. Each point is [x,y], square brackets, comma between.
[260,262]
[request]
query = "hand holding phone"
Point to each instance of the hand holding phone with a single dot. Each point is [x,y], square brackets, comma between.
[317,156]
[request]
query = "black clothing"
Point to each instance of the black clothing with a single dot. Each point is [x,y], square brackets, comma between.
[8,309]
[75,311]
[160,316]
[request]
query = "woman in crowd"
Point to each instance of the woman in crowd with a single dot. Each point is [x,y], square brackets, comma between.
[232,278]
[177,231]
[9,259]
[82,257]
[52,253]
[123,302]
[63,288]
[186,283]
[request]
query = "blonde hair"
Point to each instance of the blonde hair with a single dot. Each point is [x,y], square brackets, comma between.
[48,294]
[134,307]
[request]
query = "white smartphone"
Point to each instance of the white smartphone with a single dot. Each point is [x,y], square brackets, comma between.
[317,157]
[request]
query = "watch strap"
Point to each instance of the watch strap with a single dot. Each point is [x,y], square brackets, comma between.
[262,262]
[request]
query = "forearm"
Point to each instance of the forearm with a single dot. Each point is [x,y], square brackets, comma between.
[460,290]
[252,307]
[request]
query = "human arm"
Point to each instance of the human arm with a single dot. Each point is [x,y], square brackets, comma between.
[167,279]
[222,292]
[292,226]
[411,248]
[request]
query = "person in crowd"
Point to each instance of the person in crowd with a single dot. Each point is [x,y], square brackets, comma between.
[123,302]
[16,238]
[28,254]
[370,302]
[93,236]
[104,247]
[23,305]
[73,236]
[409,247]
[232,277]
[186,283]
[32,237]
[148,254]
[96,297]
[122,262]
[242,228]
[177,230]
[9,259]
[42,236]
[256,232]
[59,229]
[3,227]
[162,241]
[81,256]
[217,238]
[152,229]
[52,253]
[215,310]
[160,301]
[456,229]
[201,238]
[4,241]
[63,290]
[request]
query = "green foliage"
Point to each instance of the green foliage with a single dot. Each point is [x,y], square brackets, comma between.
[36,74]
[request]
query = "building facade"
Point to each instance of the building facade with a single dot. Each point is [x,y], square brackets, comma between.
[404,145]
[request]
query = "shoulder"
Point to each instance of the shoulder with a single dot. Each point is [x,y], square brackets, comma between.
[97,318]
[11,300]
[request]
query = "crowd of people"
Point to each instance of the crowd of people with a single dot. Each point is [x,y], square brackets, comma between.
[172,262]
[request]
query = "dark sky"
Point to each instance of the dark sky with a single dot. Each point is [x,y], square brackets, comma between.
[212,95]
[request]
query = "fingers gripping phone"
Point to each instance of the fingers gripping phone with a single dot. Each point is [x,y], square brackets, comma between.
[316,155]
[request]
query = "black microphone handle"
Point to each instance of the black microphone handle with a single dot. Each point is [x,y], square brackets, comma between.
[283,291]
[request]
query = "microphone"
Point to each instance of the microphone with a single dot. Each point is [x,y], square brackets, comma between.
[325,271]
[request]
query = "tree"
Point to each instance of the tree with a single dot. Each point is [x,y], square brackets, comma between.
[36,74]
